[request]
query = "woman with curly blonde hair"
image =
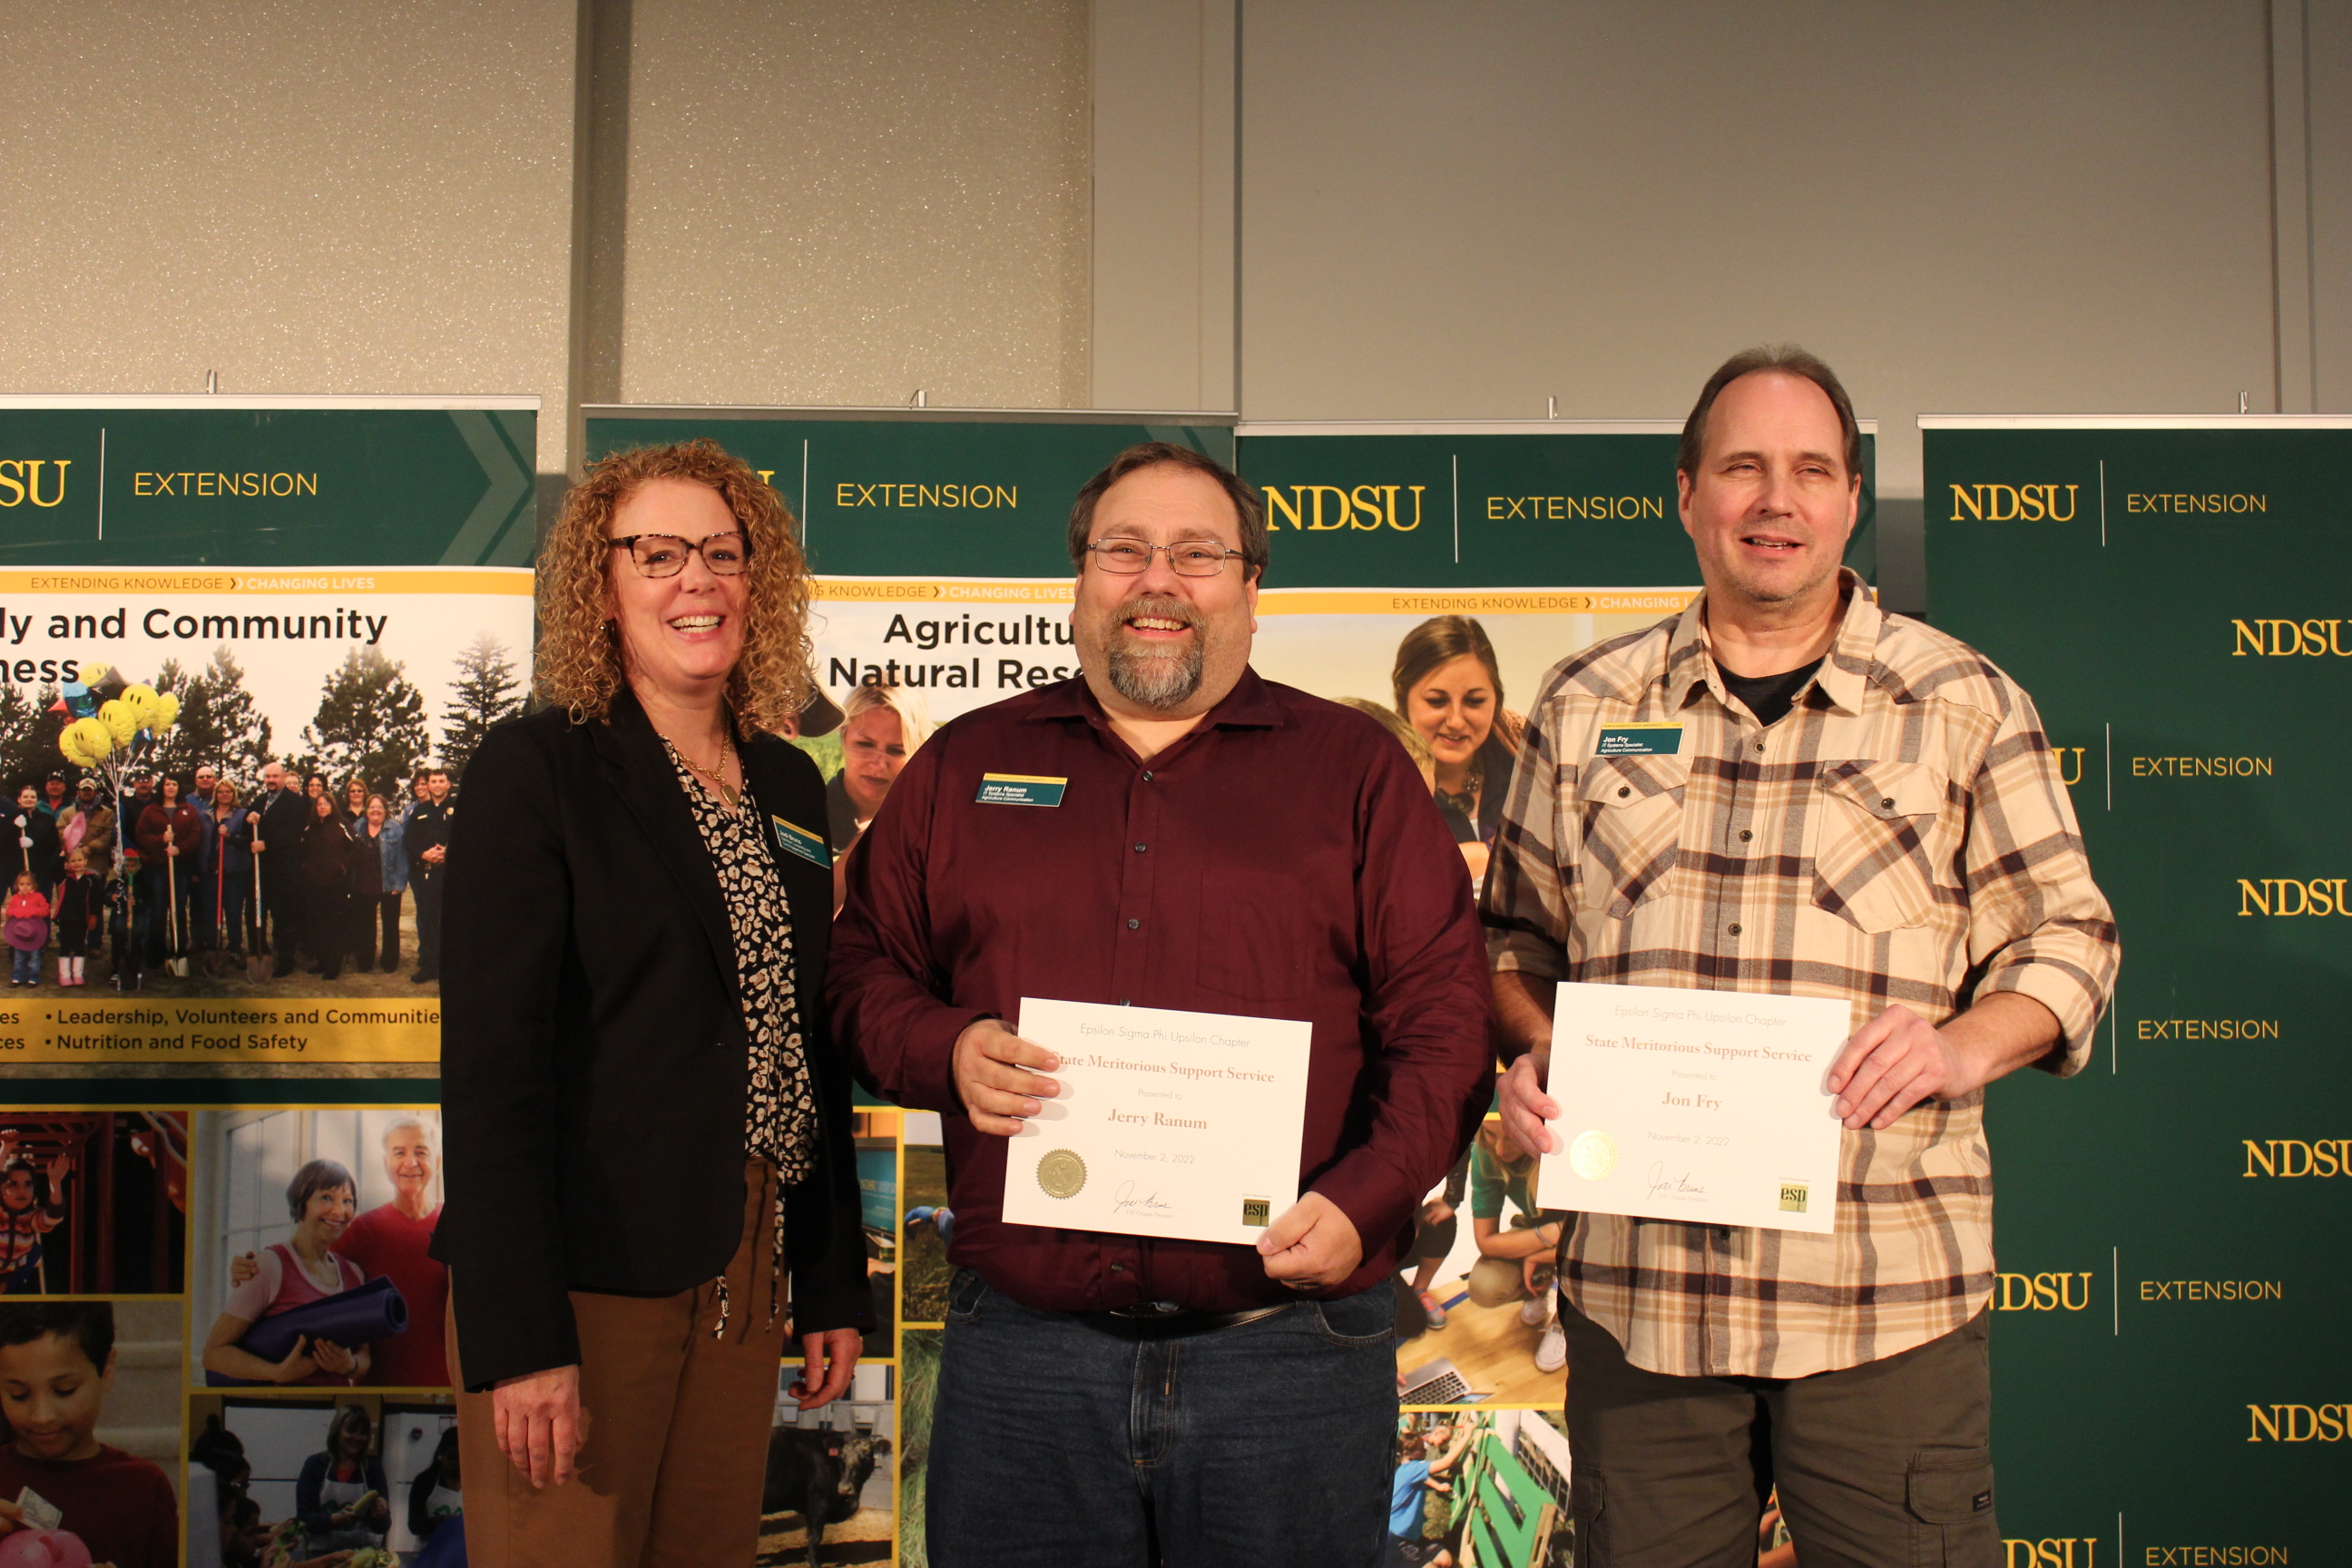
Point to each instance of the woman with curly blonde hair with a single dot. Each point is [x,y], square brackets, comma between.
[648,1127]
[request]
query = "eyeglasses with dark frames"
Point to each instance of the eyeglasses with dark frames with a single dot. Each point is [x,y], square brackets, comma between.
[727,555]
[1186,557]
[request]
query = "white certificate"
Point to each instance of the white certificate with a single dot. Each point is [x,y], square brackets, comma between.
[1705,1106]
[1176,1124]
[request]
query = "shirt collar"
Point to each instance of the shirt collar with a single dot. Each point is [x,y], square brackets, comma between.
[1250,705]
[1845,669]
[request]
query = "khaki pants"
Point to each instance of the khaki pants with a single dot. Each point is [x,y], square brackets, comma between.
[1883,1463]
[675,1451]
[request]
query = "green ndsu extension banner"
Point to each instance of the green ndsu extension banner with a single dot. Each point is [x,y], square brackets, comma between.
[340,585]
[2169,1358]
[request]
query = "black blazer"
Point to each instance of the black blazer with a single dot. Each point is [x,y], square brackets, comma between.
[593,1062]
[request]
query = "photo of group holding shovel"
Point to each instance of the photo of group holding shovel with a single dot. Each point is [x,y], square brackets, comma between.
[206,884]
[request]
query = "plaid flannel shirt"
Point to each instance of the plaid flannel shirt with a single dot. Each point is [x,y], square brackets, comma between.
[1900,835]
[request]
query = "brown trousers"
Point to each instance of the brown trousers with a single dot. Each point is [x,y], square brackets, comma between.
[1888,1462]
[676,1427]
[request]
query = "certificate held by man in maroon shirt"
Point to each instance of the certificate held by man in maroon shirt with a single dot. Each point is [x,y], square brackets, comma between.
[1173,1124]
[1169,831]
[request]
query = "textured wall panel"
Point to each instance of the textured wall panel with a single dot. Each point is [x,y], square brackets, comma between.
[306,197]
[841,203]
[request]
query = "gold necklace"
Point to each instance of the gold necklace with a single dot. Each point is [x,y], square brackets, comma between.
[718,781]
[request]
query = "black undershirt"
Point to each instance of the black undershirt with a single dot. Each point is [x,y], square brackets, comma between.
[1769,697]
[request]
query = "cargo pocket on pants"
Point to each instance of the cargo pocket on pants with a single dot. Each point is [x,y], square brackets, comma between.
[1587,1500]
[1949,1493]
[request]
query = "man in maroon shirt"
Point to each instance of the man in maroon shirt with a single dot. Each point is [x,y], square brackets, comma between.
[1221,844]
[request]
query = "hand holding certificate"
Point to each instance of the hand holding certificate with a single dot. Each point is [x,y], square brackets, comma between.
[1167,1123]
[1705,1106]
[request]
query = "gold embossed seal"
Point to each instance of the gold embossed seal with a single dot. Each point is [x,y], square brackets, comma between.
[1061,1173]
[1593,1156]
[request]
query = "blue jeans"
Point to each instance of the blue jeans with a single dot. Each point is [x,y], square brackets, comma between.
[24,966]
[1270,1444]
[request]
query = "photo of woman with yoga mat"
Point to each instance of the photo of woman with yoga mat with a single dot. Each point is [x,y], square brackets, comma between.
[309,1261]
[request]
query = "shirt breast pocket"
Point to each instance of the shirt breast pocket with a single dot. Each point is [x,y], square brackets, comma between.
[1876,851]
[1631,813]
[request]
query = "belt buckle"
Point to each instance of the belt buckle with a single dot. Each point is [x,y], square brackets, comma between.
[1149,1312]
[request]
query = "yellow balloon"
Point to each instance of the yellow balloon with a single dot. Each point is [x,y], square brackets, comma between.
[120,718]
[85,742]
[142,699]
[93,670]
[167,711]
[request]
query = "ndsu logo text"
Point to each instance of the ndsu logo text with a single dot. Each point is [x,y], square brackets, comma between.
[2282,898]
[21,480]
[2296,1157]
[2298,1423]
[2014,503]
[2315,638]
[1320,508]
[2040,1292]
[2051,1551]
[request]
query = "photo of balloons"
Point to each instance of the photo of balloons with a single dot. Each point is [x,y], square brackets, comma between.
[140,697]
[103,679]
[120,721]
[85,742]
[74,700]
[105,734]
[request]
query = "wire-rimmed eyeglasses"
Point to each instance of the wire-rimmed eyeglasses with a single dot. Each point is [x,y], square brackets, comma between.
[1186,557]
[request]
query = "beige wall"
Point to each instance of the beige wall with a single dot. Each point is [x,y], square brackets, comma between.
[1163,263]
[809,202]
[2002,207]
[1303,208]
[305,197]
[843,204]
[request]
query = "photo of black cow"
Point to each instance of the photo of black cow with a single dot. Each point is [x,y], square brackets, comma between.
[830,1481]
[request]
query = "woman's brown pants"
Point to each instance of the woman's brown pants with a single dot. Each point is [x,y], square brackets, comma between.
[675,1429]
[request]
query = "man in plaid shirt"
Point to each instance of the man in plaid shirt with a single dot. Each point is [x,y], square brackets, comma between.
[1859,807]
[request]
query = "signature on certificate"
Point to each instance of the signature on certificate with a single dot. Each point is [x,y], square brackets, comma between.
[1677,1186]
[1125,1202]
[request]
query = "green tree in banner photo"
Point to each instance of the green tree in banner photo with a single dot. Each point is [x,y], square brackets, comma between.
[241,729]
[29,737]
[371,721]
[487,690]
[218,723]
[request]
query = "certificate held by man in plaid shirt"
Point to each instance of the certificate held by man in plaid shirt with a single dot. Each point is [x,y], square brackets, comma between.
[1785,789]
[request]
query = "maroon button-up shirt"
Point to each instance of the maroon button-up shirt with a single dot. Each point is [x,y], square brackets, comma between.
[1282,860]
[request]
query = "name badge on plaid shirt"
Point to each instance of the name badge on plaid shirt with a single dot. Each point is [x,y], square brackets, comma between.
[1639,740]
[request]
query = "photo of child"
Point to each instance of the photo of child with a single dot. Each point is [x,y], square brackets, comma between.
[92,1202]
[1488,1487]
[78,898]
[63,1390]
[28,929]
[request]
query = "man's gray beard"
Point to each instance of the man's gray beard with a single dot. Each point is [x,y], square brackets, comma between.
[1156,680]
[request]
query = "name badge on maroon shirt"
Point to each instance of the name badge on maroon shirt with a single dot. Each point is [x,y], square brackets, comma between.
[1020,789]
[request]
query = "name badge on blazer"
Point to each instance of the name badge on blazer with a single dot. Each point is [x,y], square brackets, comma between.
[799,841]
[1020,789]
